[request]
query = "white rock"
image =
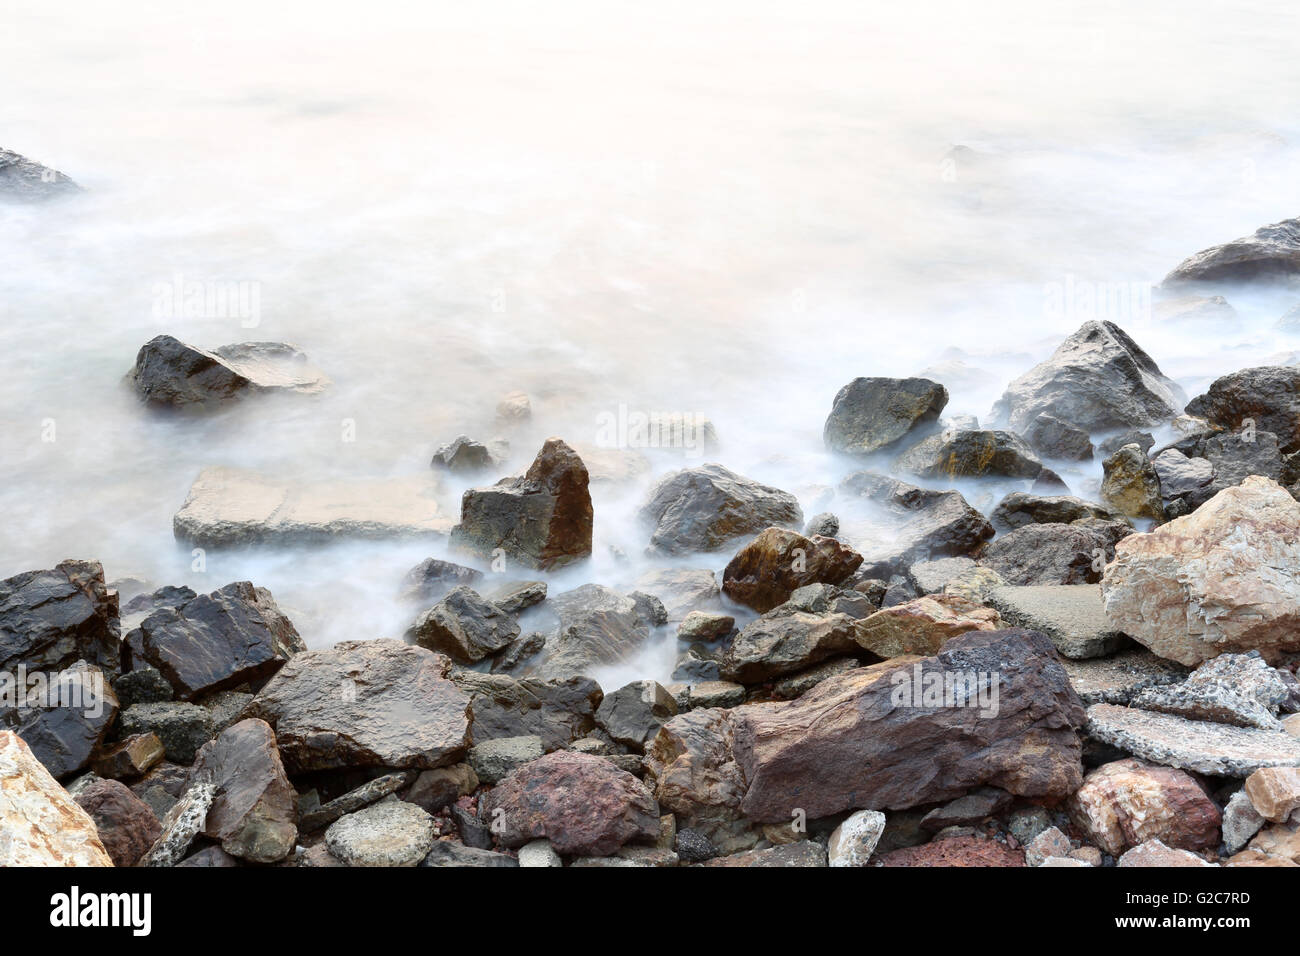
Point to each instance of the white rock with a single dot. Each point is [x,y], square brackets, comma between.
[389,833]
[539,853]
[855,839]
[40,823]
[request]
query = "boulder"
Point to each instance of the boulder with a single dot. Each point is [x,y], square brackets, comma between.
[970,454]
[181,727]
[558,711]
[1053,437]
[1127,802]
[40,824]
[1271,254]
[127,826]
[707,507]
[464,627]
[1072,615]
[254,815]
[767,570]
[432,578]
[1224,578]
[1131,486]
[1179,475]
[49,620]
[1274,792]
[25,180]
[542,519]
[131,758]
[1217,749]
[1019,509]
[704,626]
[922,626]
[1268,396]
[388,833]
[1097,378]
[1072,553]
[1155,853]
[65,718]
[169,372]
[633,714]
[922,524]
[495,759]
[377,703]
[518,596]
[466,456]
[873,413]
[785,640]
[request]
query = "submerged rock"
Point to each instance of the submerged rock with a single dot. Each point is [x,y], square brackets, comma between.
[169,372]
[707,507]
[872,413]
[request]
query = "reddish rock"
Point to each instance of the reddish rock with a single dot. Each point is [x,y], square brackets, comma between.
[1128,802]
[955,851]
[131,758]
[126,825]
[924,625]
[767,570]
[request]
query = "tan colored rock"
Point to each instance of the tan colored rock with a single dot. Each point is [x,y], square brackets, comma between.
[767,570]
[1274,792]
[1224,578]
[1127,802]
[1278,841]
[40,824]
[924,625]
[1131,485]
[1155,853]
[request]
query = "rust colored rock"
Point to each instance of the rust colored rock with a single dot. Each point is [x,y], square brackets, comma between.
[767,570]
[1127,802]
[1274,792]
[127,826]
[255,813]
[955,851]
[583,804]
[131,758]
[924,625]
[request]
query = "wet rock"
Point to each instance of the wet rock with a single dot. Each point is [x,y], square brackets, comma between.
[464,626]
[466,456]
[540,520]
[183,822]
[1131,486]
[51,619]
[1238,689]
[704,626]
[1038,554]
[1053,437]
[783,641]
[650,611]
[962,851]
[706,507]
[1201,746]
[432,578]
[254,815]
[1274,792]
[854,840]
[583,804]
[230,507]
[519,654]
[389,833]
[590,639]
[41,824]
[1097,378]
[450,853]
[767,570]
[1268,396]
[235,635]
[805,853]
[1049,483]
[970,454]
[1270,254]
[1072,615]
[559,711]
[682,590]
[1019,509]
[377,703]
[926,524]
[493,760]
[873,413]
[131,758]
[633,714]
[1224,578]
[170,372]
[1127,802]
[66,719]
[1118,679]
[183,728]
[922,626]
[126,825]
[1155,853]
[1179,475]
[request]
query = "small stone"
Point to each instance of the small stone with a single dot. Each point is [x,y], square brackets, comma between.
[854,840]
[1155,853]
[435,789]
[718,693]
[1050,843]
[450,853]
[693,846]
[633,714]
[182,727]
[389,833]
[493,760]
[539,853]
[1241,821]
[127,826]
[1274,792]
[183,822]
[131,758]
[705,626]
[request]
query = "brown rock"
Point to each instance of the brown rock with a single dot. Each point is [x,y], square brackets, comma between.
[255,813]
[1127,802]
[126,825]
[923,626]
[40,824]
[955,851]
[131,758]
[767,570]
[1274,792]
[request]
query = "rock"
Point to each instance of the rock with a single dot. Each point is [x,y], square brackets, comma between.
[541,520]
[40,823]
[972,809]
[467,457]
[1241,821]
[514,407]
[767,570]
[854,840]
[1063,862]
[922,626]
[1268,396]
[682,590]
[975,584]
[824,524]
[235,635]
[64,718]
[183,728]
[1049,483]
[650,611]
[706,507]
[926,524]
[1051,843]
[493,760]
[1071,615]
[142,685]
[931,577]
[49,620]
[519,653]
[804,853]
[126,825]
[1155,853]
[1271,254]
[210,856]
[1118,679]
[435,789]
[377,703]
[798,684]
[1128,802]
[593,635]
[1274,792]
[130,758]
[518,596]
[559,711]
[254,815]
[1053,437]
[226,707]
[583,804]
[970,454]
[1223,578]
[633,714]
[693,847]
[1019,509]
[449,853]
[183,822]
[1144,440]
[963,851]
[372,792]
[873,413]
[432,578]
[1131,485]
[229,507]
[171,373]
[1216,749]
[388,833]
[464,627]
[1179,475]
[718,693]
[1197,313]
[705,626]
[1097,378]
[25,180]
[539,853]
[1040,554]
[1238,689]
[783,641]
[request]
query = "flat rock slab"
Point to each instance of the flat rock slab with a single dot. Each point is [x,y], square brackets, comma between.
[1216,749]
[1072,615]
[1116,680]
[230,507]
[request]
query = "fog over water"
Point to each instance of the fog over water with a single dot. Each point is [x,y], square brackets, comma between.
[729,213]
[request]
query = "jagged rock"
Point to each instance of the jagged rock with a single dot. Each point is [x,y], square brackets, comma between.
[183,822]
[559,711]
[127,826]
[1131,485]
[583,804]
[785,640]
[1071,615]
[183,728]
[467,456]
[1019,509]
[1097,378]
[1179,475]
[1274,792]
[633,714]
[682,590]
[235,635]
[926,524]
[540,520]
[377,703]
[132,757]
[1118,679]
[1217,749]
[519,652]
[372,791]
[518,596]
[1072,553]
[449,853]
[767,570]
[1238,689]
[170,372]
[703,626]
[143,685]
[706,507]
[1224,578]
[494,759]
[597,626]
[1155,853]
[1127,802]
[25,180]
[432,578]
[1271,254]
[974,808]
[1268,396]
[824,524]
[804,853]
[1241,821]
[40,824]
[230,507]
[254,815]
[1053,437]
[970,454]
[854,840]
[922,626]
[799,683]
[388,833]
[65,718]
[464,627]
[873,413]
[49,620]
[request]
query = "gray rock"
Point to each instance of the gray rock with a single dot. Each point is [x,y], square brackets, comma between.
[1053,437]
[1241,821]
[25,180]
[435,789]
[539,853]
[1072,615]
[682,590]
[1019,509]
[183,728]
[559,711]
[465,456]
[650,611]
[707,507]
[464,626]
[1179,475]
[873,413]
[716,694]
[1115,680]
[363,796]
[1269,396]
[518,596]
[1144,440]
[972,809]
[825,524]
[1028,823]
[65,722]
[970,454]
[389,833]
[1072,553]
[1271,254]
[171,373]
[432,578]
[692,846]
[49,620]
[923,523]
[142,685]
[633,714]
[931,577]
[786,640]
[450,853]
[519,653]
[254,814]
[805,853]
[493,760]
[183,822]
[1237,689]
[798,684]
[704,626]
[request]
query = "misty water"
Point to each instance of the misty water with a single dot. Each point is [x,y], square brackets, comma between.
[728,213]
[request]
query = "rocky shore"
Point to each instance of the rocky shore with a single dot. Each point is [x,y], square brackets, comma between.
[1056,682]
